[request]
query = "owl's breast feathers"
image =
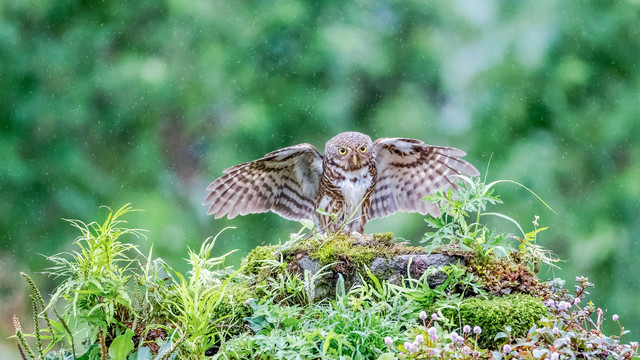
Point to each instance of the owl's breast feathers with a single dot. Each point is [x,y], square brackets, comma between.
[345,193]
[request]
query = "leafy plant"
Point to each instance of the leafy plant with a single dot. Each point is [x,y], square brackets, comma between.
[192,302]
[455,227]
[96,276]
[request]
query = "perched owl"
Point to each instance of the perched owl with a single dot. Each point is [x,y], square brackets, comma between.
[356,179]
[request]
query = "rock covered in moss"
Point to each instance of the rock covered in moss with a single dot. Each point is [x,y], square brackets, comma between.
[346,257]
[414,265]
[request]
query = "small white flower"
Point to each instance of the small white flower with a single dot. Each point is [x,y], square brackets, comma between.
[555,330]
[506,349]
[419,339]
[615,317]
[466,329]
[434,316]
[423,315]
[388,340]
[477,329]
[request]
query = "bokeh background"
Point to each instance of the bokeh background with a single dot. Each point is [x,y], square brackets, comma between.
[110,102]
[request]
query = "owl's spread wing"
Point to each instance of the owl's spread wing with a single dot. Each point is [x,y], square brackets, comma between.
[284,181]
[409,169]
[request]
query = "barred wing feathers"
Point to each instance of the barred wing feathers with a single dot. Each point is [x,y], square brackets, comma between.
[409,169]
[284,181]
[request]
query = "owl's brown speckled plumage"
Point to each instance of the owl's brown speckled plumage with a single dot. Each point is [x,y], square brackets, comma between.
[357,179]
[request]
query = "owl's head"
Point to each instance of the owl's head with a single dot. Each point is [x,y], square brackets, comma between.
[350,150]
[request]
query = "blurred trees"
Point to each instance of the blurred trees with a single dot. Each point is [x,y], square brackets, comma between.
[103,103]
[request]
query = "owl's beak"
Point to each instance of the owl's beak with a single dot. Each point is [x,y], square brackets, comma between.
[355,160]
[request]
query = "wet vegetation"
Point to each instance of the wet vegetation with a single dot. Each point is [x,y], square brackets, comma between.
[114,302]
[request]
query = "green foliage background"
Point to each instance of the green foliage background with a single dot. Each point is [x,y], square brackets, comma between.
[109,102]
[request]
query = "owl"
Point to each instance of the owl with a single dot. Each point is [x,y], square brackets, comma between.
[354,181]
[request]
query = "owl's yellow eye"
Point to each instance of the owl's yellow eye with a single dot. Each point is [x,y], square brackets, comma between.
[363,149]
[342,151]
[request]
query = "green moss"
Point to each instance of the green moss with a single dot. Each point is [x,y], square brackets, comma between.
[233,305]
[257,255]
[383,237]
[356,252]
[342,248]
[520,312]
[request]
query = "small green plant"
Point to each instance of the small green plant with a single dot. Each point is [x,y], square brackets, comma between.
[97,275]
[457,285]
[192,302]
[455,227]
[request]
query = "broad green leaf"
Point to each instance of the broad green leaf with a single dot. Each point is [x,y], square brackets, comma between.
[121,346]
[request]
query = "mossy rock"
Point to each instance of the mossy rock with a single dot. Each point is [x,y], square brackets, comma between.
[233,308]
[348,257]
[257,256]
[493,315]
[356,250]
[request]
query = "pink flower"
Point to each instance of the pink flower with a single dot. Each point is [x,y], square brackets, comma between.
[388,340]
[466,329]
[506,349]
[434,316]
[615,317]
[423,315]
[564,306]
[409,347]
[419,339]
[432,333]
[466,350]
[477,330]
[455,337]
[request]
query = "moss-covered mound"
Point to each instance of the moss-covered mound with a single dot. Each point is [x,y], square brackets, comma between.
[233,308]
[519,312]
